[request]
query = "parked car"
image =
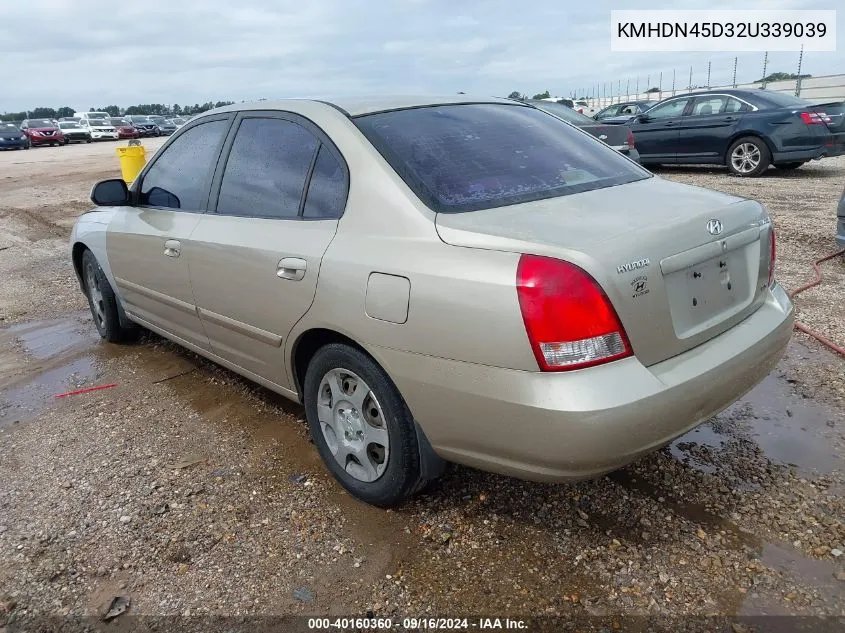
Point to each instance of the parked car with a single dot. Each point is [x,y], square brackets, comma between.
[746,130]
[582,107]
[42,132]
[162,125]
[100,129]
[167,127]
[623,111]
[561,313]
[11,137]
[619,137]
[73,131]
[83,116]
[143,124]
[178,121]
[124,128]
[840,234]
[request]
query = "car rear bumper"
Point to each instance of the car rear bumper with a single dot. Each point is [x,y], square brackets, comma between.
[572,425]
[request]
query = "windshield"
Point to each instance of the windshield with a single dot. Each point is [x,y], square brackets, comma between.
[467,157]
[98,115]
[562,111]
[69,125]
[97,122]
[118,122]
[40,123]
[157,119]
[140,119]
[9,127]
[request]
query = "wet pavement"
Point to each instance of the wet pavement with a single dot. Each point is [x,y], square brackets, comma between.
[481,541]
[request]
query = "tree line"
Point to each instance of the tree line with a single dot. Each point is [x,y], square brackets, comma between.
[113,110]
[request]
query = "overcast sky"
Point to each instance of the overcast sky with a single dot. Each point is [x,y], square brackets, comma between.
[85,53]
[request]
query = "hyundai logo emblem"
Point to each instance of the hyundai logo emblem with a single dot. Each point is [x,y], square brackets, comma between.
[714,227]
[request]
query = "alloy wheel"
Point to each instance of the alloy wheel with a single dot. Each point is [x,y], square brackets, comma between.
[745,158]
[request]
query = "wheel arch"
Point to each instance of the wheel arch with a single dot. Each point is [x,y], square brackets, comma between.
[303,350]
[738,135]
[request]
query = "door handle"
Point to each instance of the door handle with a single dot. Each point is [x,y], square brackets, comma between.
[669,124]
[172,248]
[292,268]
[729,119]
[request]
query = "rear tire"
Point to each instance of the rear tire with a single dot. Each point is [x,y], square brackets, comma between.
[748,156]
[345,389]
[789,166]
[103,302]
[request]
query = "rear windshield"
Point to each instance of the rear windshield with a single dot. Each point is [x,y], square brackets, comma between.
[478,156]
[562,111]
[781,100]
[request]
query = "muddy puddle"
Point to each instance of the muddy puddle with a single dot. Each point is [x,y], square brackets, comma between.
[41,360]
[787,428]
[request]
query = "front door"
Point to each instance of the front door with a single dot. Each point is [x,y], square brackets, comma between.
[256,258]
[148,244]
[657,131]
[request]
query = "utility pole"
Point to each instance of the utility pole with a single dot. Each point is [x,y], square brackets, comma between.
[660,87]
[765,64]
[799,80]
[689,85]
[673,82]
[708,75]
[618,90]
[735,60]
[628,90]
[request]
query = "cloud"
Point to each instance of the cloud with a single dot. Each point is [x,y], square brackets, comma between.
[86,53]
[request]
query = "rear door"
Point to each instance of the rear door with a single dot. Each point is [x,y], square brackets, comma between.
[254,266]
[706,131]
[149,244]
[658,131]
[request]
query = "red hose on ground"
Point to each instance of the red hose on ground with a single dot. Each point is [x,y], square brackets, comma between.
[818,279]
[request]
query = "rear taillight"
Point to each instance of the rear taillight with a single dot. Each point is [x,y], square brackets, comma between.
[630,139]
[772,255]
[814,118]
[569,320]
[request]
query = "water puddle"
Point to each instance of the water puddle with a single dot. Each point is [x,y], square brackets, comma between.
[787,428]
[40,360]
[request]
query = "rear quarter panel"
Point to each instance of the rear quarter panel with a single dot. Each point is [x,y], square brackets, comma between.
[463,303]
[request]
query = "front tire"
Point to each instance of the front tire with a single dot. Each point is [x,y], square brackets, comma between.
[748,156]
[361,426]
[102,301]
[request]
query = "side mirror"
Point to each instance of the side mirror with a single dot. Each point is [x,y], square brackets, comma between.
[643,118]
[110,193]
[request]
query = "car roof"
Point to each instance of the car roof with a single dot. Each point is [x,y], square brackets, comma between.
[357,106]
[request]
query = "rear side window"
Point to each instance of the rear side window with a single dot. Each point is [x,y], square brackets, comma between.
[477,156]
[708,105]
[266,170]
[326,196]
[179,178]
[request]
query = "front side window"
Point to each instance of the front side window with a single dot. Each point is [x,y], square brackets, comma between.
[668,110]
[326,196]
[179,178]
[477,156]
[266,170]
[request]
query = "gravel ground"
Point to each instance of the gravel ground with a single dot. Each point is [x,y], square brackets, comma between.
[192,491]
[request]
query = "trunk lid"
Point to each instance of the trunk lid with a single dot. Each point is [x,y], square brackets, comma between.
[614,135]
[673,284]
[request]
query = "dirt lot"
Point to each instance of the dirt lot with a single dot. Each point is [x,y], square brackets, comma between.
[191,491]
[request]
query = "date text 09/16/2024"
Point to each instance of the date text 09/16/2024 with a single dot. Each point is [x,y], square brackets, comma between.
[416,624]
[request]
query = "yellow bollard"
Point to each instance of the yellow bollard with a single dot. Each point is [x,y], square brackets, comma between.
[132,160]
